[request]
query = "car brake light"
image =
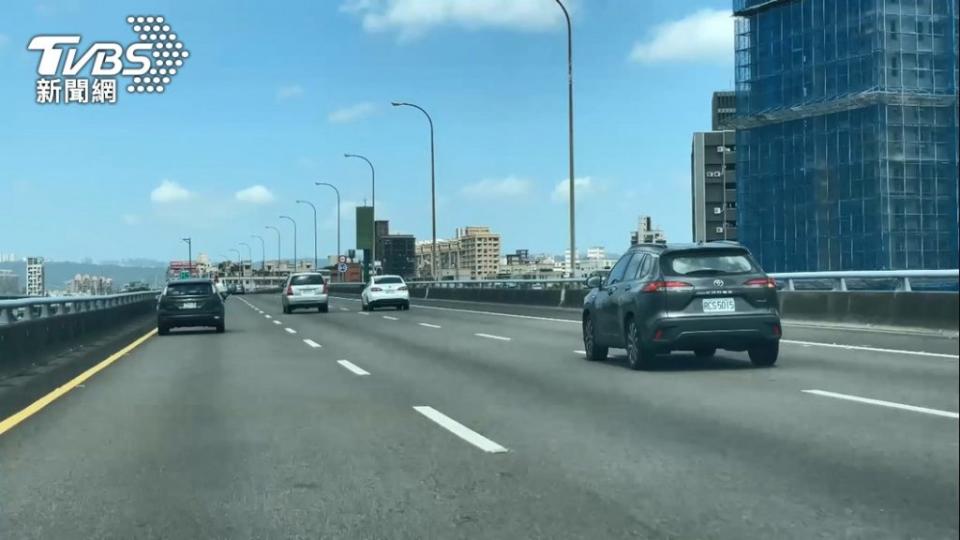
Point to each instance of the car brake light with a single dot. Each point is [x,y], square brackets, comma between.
[290,290]
[375,289]
[402,288]
[776,330]
[767,282]
[657,286]
[324,288]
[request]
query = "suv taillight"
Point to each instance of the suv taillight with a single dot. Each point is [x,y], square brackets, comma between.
[289,290]
[402,288]
[767,282]
[325,287]
[658,286]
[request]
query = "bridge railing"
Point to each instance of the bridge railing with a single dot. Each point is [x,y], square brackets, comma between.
[44,307]
[882,280]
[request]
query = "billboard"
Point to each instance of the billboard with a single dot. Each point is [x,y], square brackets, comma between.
[364,227]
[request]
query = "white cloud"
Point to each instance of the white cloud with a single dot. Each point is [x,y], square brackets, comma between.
[703,36]
[351,113]
[169,191]
[584,185]
[491,188]
[255,194]
[413,18]
[131,219]
[290,91]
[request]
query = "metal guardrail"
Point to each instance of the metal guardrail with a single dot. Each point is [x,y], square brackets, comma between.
[840,280]
[836,281]
[42,307]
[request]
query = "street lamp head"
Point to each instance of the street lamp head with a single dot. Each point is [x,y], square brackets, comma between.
[348,155]
[397,103]
[300,201]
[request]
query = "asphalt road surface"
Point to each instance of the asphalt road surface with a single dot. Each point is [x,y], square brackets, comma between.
[448,423]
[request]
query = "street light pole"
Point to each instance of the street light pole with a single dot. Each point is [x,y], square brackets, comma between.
[573,247]
[294,240]
[263,251]
[433,188]
[278,243]
[315,267]
[189,242]
[373,205]
[338,212]
[239,258]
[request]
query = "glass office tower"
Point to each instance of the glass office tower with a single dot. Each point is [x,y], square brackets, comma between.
[847,133]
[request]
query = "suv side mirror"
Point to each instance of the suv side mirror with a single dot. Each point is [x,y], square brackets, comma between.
[594,282]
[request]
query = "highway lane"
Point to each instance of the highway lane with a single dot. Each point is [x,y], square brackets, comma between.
[757,425]
[259,433]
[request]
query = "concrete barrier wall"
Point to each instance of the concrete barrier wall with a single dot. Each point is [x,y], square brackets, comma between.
[28,340]
[927,310]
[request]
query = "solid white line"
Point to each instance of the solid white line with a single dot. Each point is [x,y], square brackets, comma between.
[461,430]
[290,330]
[389,318]
[352,367]
[870,349]
[491,336]
[580,352]
[891,404]
[428,325]
[277,322]
[312,343]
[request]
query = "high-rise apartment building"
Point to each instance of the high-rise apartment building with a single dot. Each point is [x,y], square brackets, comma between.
[714,186]
[473,254]
[723,110]
[36,285]
[646,233]
[847,133]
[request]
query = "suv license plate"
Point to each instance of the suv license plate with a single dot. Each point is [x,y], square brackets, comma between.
[719,305]
[189,305]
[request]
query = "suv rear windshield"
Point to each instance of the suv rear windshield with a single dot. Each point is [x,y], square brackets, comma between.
[387,280]
[189,289]
[707,263]
[315,279]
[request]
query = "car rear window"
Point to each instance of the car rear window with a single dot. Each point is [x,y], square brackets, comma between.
[387,280]
[189,289]
[703,263]
[315,279]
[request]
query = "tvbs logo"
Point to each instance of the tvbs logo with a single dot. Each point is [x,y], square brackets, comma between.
[150,63]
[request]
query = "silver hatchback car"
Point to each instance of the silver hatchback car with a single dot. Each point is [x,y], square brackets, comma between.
[305,290]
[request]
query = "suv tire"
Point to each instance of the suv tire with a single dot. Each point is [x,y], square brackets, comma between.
[639,355]
[764,355]
[594,352]
[705,352]
[324,308]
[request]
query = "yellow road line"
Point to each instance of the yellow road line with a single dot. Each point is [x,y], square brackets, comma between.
[36,406]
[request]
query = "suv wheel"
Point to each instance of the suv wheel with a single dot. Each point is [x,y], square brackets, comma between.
[221,328]
[639,356]
[764,355]
[162,329]
[324,308]
[705,352]
[594,352]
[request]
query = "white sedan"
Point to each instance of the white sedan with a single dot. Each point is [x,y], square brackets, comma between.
[385,291]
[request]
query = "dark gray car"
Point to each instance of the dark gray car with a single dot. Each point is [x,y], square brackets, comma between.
[190,302]
[693,297]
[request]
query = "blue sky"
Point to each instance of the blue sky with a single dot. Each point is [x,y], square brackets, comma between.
[275,92]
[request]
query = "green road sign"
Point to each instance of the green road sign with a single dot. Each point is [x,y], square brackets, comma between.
[184,274]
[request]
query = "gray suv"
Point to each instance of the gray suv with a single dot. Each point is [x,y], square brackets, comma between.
[688,297]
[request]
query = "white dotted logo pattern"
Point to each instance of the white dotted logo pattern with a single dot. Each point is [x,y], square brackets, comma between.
[168,54]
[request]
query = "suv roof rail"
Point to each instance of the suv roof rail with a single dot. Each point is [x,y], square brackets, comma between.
[734,242]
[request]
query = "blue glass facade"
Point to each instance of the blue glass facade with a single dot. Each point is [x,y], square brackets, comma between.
[847,133]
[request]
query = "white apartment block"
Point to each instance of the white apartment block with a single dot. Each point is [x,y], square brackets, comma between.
[35,278]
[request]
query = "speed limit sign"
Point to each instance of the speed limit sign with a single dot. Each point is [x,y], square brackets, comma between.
[342,259]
